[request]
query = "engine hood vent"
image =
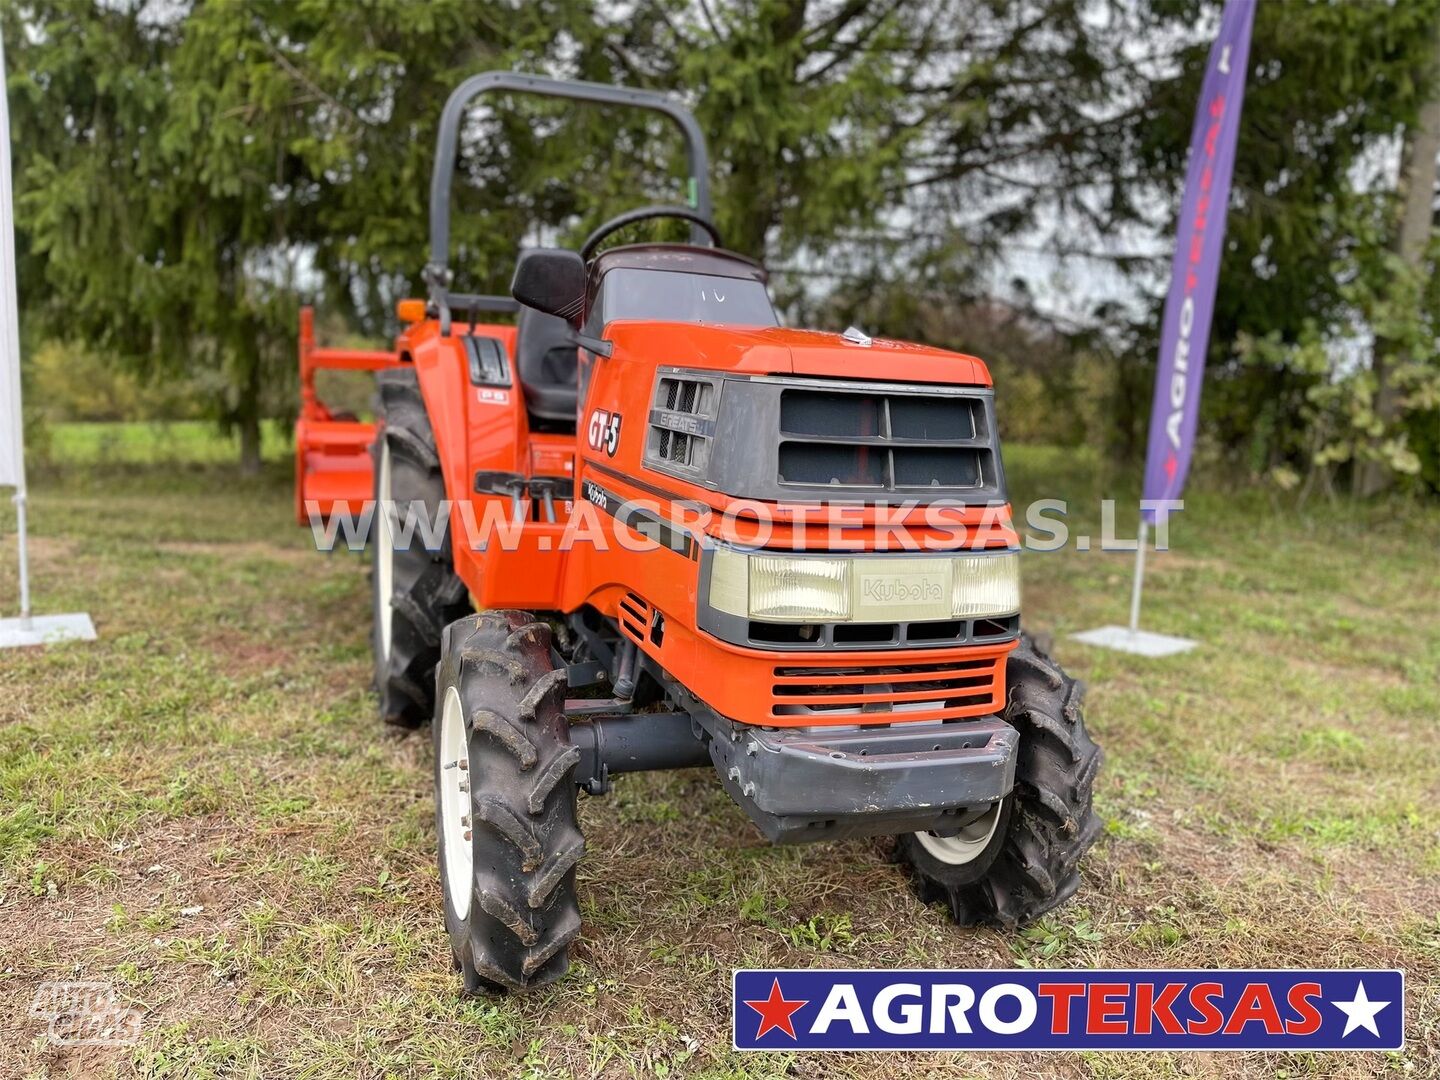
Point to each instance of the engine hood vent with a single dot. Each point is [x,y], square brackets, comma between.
[682,424]
[787,439]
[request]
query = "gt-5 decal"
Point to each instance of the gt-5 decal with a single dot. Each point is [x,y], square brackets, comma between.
[604,431]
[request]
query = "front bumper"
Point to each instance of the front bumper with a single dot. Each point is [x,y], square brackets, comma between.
[800,785]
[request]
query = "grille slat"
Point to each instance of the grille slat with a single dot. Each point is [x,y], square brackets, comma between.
[885,440]
[843,695]
[865,677]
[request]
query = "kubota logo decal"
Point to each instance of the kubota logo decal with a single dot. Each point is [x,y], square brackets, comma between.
[604,431]
[596,494]
[894,590]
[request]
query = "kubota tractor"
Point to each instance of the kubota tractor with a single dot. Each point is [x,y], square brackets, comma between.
[680,534]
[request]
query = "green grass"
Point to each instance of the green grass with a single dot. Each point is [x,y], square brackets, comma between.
[200,807]
[184,444]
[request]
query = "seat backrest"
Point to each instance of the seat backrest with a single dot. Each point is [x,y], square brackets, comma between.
[548,362]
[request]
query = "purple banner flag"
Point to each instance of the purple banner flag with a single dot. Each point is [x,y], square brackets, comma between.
[1185,331]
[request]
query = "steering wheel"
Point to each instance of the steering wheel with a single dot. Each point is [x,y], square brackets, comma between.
[646,213]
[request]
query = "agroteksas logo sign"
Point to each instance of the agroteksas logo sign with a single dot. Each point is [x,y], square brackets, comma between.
[1068,1010]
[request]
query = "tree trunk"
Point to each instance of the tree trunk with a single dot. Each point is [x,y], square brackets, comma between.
[247,412]
[1417,194]
[250,445]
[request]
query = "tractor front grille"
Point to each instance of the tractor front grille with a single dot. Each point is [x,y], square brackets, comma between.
[781,438]
[943,690]
[891,441]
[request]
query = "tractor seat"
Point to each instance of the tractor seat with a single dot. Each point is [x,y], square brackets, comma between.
[548,363]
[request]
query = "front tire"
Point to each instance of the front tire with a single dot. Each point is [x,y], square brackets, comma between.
[416,592]
[1021,861]
[505,792]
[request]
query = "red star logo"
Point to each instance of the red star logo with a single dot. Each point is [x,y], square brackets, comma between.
[776,1012]
[1170,466]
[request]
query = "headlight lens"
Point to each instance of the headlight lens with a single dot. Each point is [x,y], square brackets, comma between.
[786,588]
[985,586]
[873,588]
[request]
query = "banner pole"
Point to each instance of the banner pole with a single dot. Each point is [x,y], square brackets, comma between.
[24,558]
[1139,575]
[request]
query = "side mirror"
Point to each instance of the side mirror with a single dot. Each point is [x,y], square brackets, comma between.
[551,280]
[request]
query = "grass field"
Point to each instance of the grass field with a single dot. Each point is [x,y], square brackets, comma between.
[201,809]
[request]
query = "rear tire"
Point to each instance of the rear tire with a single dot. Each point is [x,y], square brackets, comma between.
[510,903]
[1028,862]
[415,590]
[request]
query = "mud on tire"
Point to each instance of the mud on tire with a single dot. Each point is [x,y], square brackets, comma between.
[1046,824]
[525,841]
[425,594]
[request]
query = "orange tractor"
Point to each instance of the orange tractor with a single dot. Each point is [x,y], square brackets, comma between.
[644,526]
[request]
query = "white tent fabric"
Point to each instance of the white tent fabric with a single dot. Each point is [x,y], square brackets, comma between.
[12,460]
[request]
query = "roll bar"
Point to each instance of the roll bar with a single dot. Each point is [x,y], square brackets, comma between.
[437,272]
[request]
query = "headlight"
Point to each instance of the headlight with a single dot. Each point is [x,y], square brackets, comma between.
[865,588]
[985,586]
[785,588]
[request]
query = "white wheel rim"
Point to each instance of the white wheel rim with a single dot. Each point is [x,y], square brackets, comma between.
[385,553]
[454,796]
[967,844]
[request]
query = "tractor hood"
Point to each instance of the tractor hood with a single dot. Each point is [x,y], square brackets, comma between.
[782,351]
[823,418]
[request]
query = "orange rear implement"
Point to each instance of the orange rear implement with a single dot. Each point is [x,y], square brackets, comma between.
[333,465]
